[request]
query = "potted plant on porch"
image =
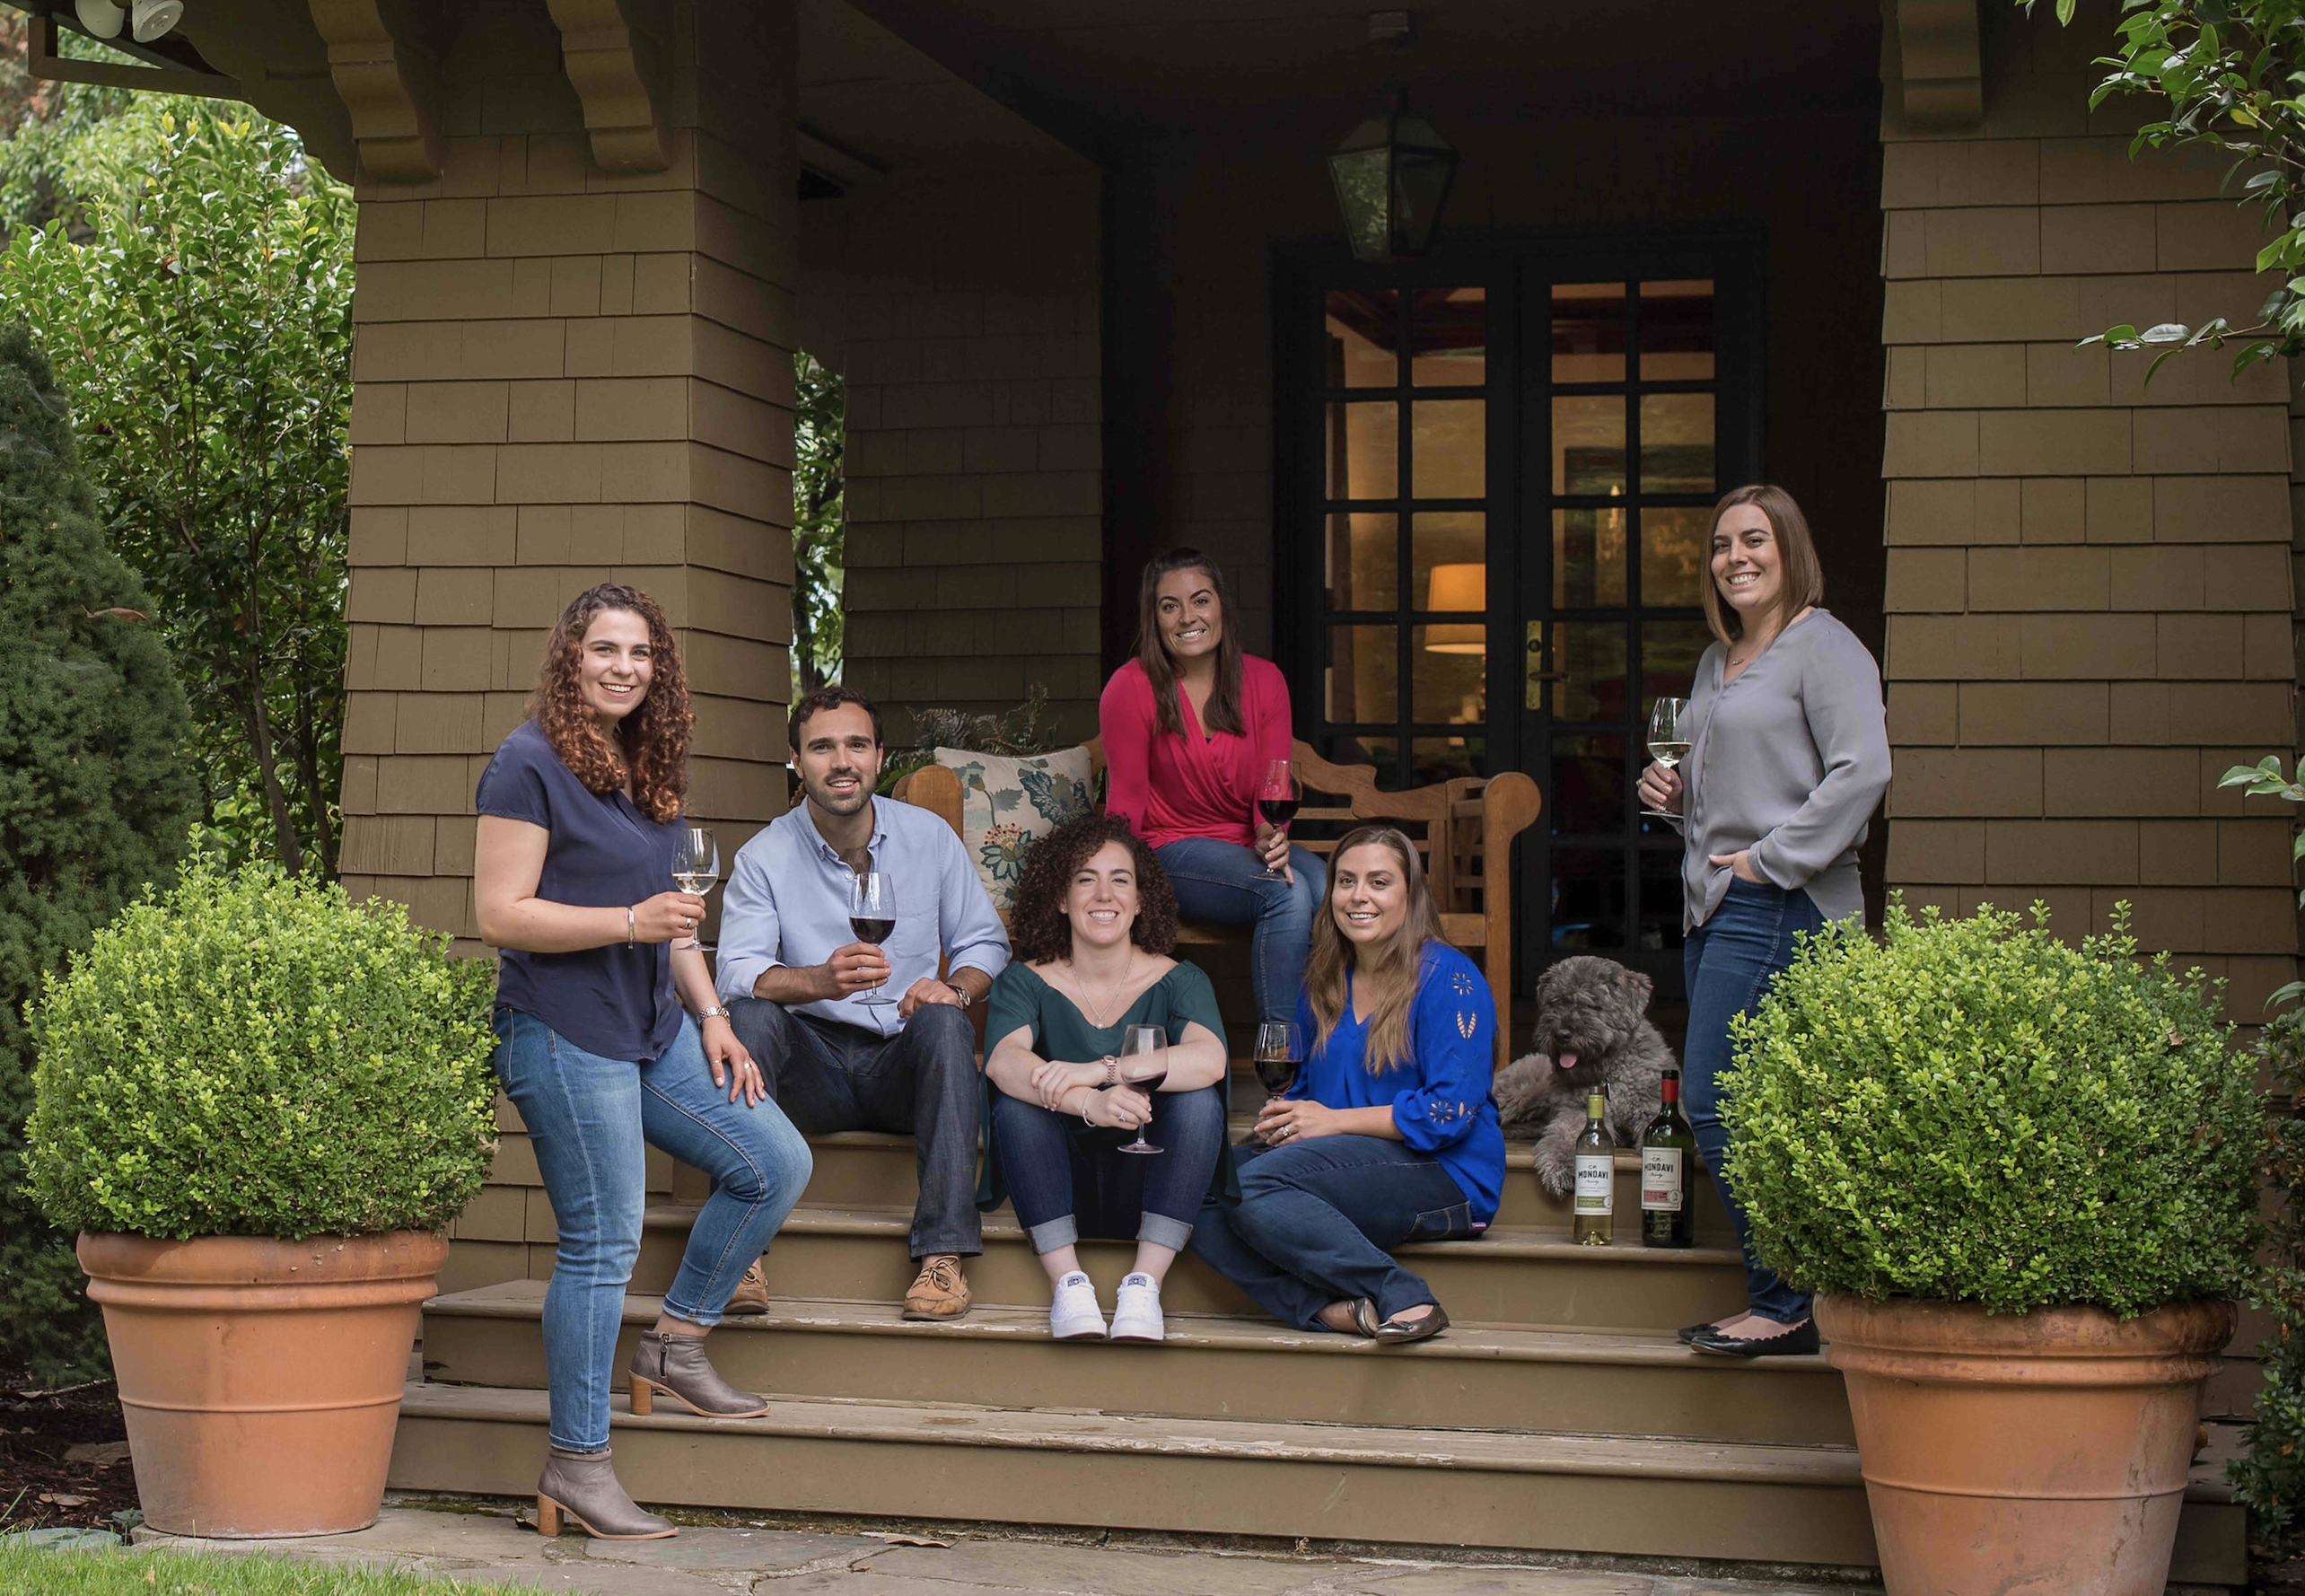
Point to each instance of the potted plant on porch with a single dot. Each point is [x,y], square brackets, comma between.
[2022,1177]
[260,1103]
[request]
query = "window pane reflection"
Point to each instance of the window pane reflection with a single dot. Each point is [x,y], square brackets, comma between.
[1587,795]
[1588,558]
[1588,443]
[1449,327]
[1592,655]
[1363,335]
[1364,450]
[1445,758]
[1364,560]
[1439,538]
[1448,673]
[1677,332]
[1363,673]
[1588,900]
[1450,437]
[1383,752]
[1670,650]
[1589,332]
[1676,442]
[1673,556]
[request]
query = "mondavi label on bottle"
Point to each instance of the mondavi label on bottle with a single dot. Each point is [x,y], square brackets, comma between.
[1597,1183]
[1661,1179]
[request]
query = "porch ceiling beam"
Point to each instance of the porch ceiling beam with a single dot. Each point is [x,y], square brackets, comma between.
[386,66]
[616,62]
[1943,75]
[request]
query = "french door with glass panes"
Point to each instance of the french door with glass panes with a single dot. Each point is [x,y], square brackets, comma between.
[1498,468]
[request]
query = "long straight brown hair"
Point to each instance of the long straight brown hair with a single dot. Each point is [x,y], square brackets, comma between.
[1386,971]
[1223,711]
[1804,578]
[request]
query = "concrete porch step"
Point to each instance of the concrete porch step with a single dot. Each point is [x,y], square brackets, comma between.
[1530,1278]
[1548,1490]
[1211,1366]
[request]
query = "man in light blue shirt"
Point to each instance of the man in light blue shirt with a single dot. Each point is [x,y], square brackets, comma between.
[851,1036]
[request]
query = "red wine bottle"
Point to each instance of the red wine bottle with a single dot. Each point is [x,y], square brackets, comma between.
[1668,1195]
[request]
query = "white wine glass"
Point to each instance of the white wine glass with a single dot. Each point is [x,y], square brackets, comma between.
[1669,740]
[696,866]
[1144,1064]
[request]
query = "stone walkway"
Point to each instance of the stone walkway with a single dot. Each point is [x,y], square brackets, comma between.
[740,1562]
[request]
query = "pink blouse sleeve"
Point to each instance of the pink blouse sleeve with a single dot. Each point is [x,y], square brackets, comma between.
[1271,733]
[1125,721]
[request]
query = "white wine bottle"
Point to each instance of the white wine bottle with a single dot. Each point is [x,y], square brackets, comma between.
[1596,1156]
[1668,1203]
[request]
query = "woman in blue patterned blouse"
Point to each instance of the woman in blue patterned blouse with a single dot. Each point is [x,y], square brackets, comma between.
[1388,1134]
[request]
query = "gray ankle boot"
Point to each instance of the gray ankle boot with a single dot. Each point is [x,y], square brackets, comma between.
[676,1366]
[584,1487]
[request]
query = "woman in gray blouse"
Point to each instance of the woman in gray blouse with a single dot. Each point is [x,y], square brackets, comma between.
[1790,755]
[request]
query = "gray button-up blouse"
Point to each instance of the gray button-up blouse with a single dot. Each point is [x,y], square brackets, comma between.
[1789,762]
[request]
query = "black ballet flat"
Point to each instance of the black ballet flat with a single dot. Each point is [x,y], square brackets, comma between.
[1689,1333]
[1792,1341]
[1401,1335]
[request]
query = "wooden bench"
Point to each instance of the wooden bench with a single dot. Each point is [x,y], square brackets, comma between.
[1463,829]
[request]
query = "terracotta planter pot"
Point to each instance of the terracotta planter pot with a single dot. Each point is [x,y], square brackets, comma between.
[2035,1454]
[260,1379]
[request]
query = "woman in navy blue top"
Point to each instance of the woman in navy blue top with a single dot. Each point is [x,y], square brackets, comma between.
[579,812]
[1388,1134]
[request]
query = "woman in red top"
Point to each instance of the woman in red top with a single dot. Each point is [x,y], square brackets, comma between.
[1189,725]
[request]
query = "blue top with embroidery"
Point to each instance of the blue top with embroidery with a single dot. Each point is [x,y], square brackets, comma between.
[1439,1095]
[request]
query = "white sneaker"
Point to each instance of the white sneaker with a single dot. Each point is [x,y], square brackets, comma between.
[1137,1310]
[1074,1315]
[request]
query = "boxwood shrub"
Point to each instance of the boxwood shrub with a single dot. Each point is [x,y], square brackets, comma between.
[255,1054]
[1970,1110]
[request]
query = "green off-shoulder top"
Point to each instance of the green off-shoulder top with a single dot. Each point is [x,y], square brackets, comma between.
[1021,1000]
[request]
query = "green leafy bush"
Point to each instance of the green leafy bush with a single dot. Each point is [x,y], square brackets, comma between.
[254,1054]
[2270,1478]
[1970,1110]
[94,803]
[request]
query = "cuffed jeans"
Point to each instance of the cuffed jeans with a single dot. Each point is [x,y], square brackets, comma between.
[1065,1187]
[1316,1217]
[1223,883]
[1730,961]
[590,1120]
[920,1083]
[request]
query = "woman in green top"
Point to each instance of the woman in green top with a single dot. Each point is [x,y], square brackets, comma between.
[1094,921]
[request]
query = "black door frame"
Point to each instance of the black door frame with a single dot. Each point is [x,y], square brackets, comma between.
[1732,254]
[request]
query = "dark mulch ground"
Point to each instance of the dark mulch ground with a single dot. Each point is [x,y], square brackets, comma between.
[39,1485]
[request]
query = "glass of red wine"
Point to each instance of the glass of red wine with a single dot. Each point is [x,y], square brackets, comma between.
[872,916]
[1280,1052]
[1277,797]
[1144,1064]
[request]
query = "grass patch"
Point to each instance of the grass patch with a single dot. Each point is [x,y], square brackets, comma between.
[26,1571]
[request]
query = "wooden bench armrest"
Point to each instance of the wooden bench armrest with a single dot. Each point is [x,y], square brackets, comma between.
[1510,804]
[933,788]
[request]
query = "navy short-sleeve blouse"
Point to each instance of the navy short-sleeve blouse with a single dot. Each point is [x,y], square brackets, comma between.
[617,1002]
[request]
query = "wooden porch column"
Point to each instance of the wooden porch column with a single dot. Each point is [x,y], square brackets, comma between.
[565,376]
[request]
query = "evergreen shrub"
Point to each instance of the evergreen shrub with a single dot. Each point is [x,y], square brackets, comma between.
[255,1054]
[1971,1110]
[2270,1478]
[94,803]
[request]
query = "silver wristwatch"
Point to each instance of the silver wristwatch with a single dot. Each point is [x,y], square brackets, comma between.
[963,994]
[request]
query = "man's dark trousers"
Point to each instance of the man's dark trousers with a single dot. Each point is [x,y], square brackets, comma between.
[920,1083]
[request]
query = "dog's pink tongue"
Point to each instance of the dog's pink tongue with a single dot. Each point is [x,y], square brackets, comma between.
[1565,1060]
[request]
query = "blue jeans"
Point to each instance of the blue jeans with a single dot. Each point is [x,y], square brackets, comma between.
[1315,1218]
[1223,883]
[1730,961]
[1066,1186]
[588,1118]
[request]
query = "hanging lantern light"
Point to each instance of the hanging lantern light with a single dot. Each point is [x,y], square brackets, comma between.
[1392,176]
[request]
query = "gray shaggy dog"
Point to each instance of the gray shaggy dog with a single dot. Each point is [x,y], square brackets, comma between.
[1592,1029]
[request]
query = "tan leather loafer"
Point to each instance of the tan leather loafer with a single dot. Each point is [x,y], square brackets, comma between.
[940,1291]
[751,1293]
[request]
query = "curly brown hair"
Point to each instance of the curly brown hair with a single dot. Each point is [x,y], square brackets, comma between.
[650,747]
[1037,928]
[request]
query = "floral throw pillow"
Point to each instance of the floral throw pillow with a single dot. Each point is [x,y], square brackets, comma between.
[1006,804]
